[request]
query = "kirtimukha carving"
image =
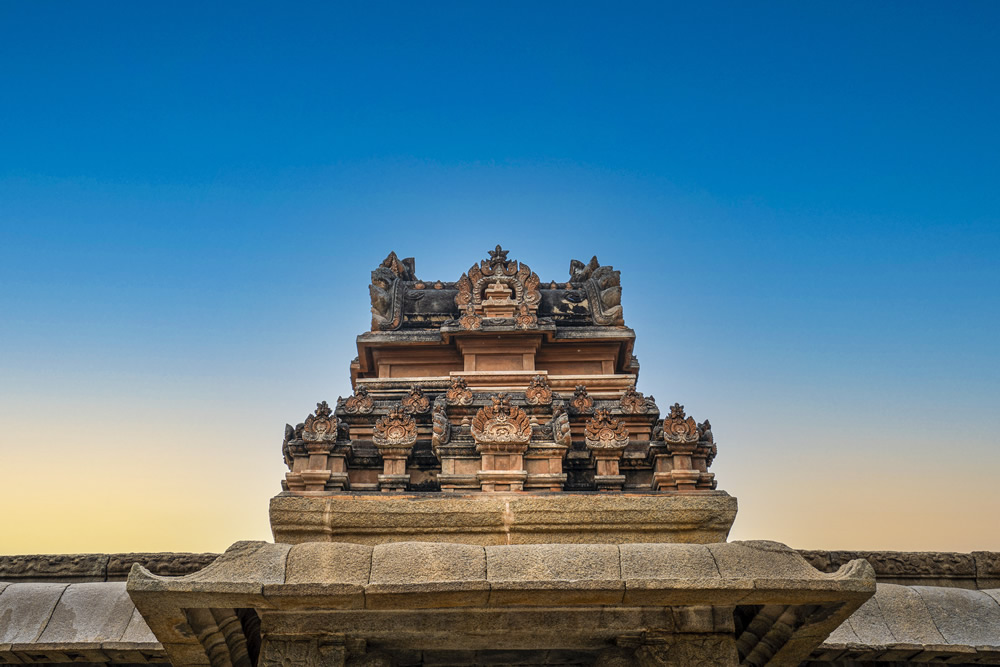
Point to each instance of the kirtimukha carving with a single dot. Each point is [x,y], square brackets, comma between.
[415,401]
[386,291]
[501,423]
[360,403]
[678,428]
[581,401]
[394,436]
[315,460]
[605,432]
[604,290]
[606,437]
[458,392]
[498,289]
[633,402]
[538,391]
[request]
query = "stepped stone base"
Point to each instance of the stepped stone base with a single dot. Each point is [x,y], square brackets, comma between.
[494,519]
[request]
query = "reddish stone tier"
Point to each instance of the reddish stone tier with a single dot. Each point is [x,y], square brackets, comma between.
[496,382]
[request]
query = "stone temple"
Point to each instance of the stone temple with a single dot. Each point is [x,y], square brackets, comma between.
[497,491]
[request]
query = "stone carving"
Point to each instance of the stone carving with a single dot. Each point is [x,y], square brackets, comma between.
[470,320]
[415,401]
[604,290]
[305,652]
[498,288]
[458,392]
[560,424]
[706,437]
[360,403]
[386,291]
[538,391]
[679,429]
[501,423]
[581,401]
[321,426]
[633,402]
[440,424]
[604,432]
[396,430]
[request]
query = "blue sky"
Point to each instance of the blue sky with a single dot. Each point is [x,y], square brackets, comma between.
[802,199]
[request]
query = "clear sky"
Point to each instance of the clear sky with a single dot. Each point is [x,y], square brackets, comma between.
[802,198]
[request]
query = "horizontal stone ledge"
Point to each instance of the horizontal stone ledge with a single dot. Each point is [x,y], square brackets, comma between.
[499,519]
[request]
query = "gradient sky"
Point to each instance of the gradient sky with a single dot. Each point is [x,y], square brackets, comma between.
[802,199]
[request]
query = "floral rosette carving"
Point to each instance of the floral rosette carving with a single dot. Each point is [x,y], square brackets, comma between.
[524,319]
[605,433]
[458,392]
[321,426]
[538,391]
[415,401]
[470,320]
[501,423]
[581,401]
[395,431]
[633,402]
[678,428]
[360,403]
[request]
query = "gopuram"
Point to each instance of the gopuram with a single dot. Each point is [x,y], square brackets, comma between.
[497,491]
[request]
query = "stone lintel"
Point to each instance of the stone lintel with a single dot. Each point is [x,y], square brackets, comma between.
[504,518]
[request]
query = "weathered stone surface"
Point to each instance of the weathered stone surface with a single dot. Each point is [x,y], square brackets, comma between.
[163,564]
[89,612]
[491,519]
[25,609]
[678,561]
[869,625]
[554,574]
[328,563]
[137,632]
[412,562]
[906,615]
[62,567]
[970,618]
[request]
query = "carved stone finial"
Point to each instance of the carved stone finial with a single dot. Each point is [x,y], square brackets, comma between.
[498,289]
[633,402]
[360,403]
[581,401]
[415,401]
[501,423]
[395,430]
[321,426]
[678,428]
[538,391]
[458,392]
[606,433]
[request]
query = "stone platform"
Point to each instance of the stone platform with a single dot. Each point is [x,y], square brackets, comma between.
[494,519]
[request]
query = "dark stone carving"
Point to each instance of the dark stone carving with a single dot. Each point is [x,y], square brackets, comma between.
[560,424]
[440,424]
[604,290]
[386,291]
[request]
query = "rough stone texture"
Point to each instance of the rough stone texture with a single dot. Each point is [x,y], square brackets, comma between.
[328,563]
[906,615]
[554,574]
[412,562]
[964,617]
[70,568]
[491,519]
[979,569]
